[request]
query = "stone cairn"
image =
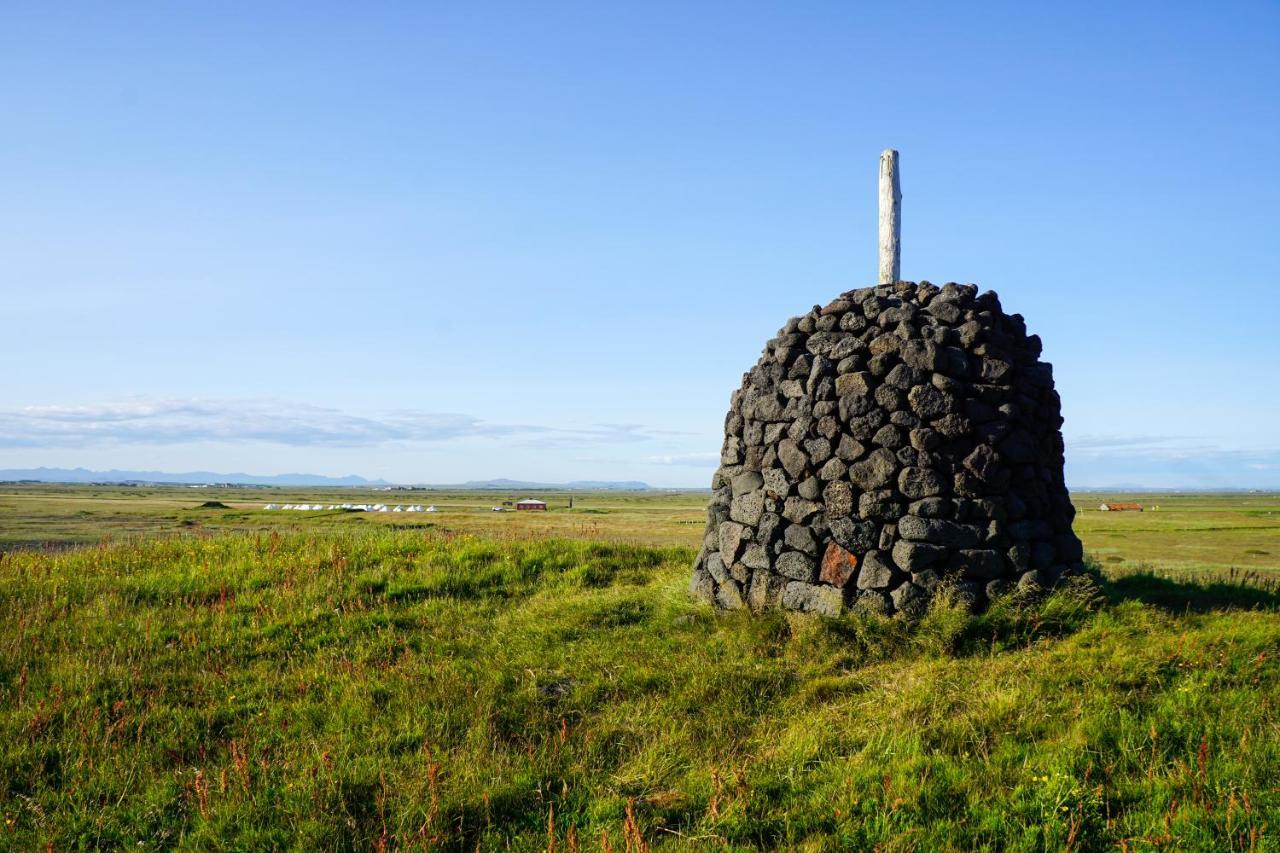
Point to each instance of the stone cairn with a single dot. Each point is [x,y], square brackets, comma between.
[900,437]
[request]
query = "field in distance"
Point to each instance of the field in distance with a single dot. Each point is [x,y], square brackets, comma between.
[1177,534]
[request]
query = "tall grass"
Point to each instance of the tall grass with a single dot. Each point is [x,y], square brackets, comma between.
[400,689]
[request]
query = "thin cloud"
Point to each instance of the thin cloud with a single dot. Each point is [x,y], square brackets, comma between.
[187,421]
[1167,462]
[1170,444]
[693,460]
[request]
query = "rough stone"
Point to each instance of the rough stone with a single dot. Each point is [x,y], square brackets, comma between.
[982,462]
[702,587]
[874,471]
[798,510]
[1030,581]
[877,571]
[776,483]
[880,505]
[863,428]
[770,522]
[926,579]
[938,531]
[833,469]
[887,396]
[729,596]
[981,563]
[927,402]
[932,508]
[747,509]
[813,598]
[860,384]
[838,565]
[748,481]
[800,538]
[731,536]
[913,556]
[888,436]
[796,566]
[818,450]
[755,556]
[909,600]
[850,449]
[923,438]
[838,499]
[915,482]
[855,534]
[921,355]
[765,590]
[792,457]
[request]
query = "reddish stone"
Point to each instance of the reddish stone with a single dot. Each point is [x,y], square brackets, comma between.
[838,306]
[838,565]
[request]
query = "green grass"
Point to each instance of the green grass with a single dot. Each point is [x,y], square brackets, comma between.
[1191,534]
[354,688]
[34,515]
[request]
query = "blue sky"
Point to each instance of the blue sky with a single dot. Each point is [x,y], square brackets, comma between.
[438,242]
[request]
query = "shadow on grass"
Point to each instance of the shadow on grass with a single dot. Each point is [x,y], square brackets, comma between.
[1237,591]
[1018,620]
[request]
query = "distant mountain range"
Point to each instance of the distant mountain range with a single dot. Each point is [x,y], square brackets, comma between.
[584,485]
[84,475]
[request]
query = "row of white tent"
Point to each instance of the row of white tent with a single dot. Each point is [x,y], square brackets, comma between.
[357,507]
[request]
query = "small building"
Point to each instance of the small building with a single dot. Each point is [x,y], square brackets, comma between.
[531,504]
[1118,506]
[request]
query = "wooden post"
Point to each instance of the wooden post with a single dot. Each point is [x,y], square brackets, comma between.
[890,218]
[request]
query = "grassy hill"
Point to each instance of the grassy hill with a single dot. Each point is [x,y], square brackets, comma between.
[342,689]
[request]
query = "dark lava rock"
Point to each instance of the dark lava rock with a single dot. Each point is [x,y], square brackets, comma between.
[898,436]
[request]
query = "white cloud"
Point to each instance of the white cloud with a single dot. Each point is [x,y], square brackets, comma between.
[271,421]
[1136,444]
[1167,462]
[694,460]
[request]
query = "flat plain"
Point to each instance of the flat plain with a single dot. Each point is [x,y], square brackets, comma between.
[180,676]
[1185,534]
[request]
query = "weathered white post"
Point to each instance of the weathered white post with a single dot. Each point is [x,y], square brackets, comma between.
[890,217]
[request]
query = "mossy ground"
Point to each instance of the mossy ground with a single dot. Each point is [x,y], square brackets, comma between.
[350,690]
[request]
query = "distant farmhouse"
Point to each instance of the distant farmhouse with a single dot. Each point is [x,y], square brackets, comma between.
[531,504]
[1120,507]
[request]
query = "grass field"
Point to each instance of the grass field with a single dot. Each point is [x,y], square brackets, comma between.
[239,679]
[1188,535]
